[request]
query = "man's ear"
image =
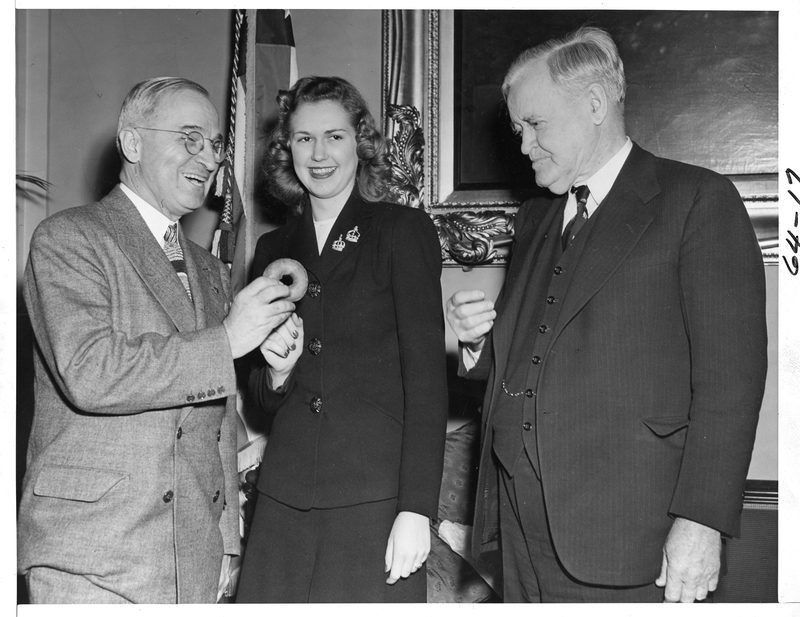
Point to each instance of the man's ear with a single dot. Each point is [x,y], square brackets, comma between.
[598,100]
[130,144]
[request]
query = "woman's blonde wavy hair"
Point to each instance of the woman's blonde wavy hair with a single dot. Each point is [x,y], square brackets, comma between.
[374,168]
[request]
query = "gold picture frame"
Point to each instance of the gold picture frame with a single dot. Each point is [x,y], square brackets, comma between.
[476,225]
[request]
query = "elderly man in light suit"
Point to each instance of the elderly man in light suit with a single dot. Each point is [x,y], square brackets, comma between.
[626,358]
[130,493]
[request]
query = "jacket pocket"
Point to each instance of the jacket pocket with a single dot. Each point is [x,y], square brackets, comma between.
[76,483]
[666,426]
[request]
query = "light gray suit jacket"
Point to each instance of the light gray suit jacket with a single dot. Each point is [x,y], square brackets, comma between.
[131,467]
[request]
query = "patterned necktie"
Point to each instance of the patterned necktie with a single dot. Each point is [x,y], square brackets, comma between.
[173,250]
[574,226]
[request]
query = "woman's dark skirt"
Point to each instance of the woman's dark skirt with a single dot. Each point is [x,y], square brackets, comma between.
[323,555]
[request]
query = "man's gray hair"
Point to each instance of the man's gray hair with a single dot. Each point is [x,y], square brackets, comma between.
[145,96]
[582,57]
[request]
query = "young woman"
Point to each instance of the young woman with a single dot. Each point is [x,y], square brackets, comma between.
[355,379]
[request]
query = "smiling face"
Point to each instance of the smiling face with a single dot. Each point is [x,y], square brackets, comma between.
[170,178]
[556,130]
[323,143]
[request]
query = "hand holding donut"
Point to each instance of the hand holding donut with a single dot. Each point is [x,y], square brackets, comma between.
[256,311]
[282,349]
[286,268]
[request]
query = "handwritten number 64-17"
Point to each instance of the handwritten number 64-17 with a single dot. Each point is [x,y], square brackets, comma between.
[793,240]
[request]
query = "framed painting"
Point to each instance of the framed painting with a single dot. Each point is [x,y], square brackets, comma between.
[702,88]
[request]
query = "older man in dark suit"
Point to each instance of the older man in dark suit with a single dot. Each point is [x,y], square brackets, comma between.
[131,493]
[626,358]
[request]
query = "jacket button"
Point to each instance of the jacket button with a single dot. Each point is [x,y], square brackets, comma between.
[215,497]
[314,289]
[558,270]
[167,496]
[542,329]
[219,434]
[180,432]
[550,299]
[529,393]
[316,404]
[190,399]
[536,359]
[315,346]
[527,426]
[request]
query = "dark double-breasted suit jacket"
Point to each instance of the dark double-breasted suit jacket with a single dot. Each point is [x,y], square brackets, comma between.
[131,466]
[648,372]
[363,414]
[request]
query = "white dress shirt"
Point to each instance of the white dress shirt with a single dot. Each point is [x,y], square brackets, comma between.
[599,184]
[323,229]
[155,220]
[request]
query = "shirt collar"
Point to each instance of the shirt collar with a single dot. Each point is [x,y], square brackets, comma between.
[156,222]
[599,184]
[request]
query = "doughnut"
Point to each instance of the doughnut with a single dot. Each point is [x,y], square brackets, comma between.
[294,270]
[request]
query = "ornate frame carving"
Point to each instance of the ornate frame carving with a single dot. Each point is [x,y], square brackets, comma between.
[475,226]
[470,233]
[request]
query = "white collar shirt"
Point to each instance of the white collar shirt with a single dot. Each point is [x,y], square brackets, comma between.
[156,222]
[599,184]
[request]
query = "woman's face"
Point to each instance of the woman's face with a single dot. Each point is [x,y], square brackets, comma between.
[323,143]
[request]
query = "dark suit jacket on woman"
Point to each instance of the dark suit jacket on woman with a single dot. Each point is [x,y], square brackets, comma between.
[648,389]
[363,415]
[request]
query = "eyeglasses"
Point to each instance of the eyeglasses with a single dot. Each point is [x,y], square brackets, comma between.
[195,142]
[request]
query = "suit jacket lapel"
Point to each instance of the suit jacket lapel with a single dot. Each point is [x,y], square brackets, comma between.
[146,256]
[351,225]
[302,243]
[621,220]
[210,303]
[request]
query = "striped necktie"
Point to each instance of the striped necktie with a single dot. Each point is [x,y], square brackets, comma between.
[173,250]
[574,226]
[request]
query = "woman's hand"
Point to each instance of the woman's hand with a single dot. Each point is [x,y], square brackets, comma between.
[408,546]
[282,349]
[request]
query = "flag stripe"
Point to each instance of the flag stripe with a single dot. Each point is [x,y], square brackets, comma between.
[274,27]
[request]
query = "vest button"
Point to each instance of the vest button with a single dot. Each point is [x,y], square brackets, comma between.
[314,289]
[550,299]
[180,432]
[167,496]
[558,270]
[542,329]
[529,393]
[316,404]
[527,426]
[315,346]
[536,359]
